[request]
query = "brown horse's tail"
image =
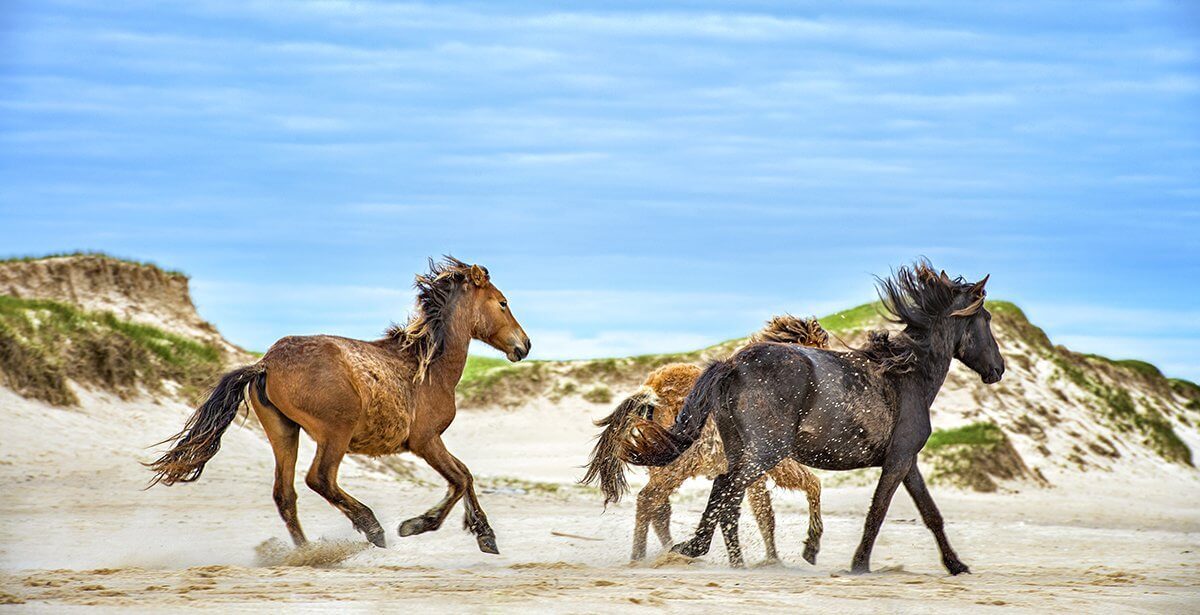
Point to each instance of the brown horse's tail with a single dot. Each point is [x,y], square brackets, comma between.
[652,445]
[606,466]
[200,438]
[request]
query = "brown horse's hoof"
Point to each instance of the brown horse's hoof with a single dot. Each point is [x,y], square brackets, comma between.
[487,544]
[377,539]
[414,526]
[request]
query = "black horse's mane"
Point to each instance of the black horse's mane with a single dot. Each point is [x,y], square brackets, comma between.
[425,332]
[915,297]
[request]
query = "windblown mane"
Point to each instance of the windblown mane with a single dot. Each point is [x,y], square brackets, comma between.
[788,329]
[915,297]
[425,332]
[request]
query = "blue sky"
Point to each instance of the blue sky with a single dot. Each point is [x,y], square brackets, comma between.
[638,180]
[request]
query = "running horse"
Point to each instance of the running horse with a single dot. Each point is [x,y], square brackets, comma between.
[379,397]
[835,410]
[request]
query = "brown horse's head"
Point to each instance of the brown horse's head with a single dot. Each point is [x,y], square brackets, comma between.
[493,322]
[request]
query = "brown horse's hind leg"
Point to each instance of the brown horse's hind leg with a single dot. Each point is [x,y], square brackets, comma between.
[322,478]
[284,435]
[790,474]
[812,489]
[460,483]
[662,521]
[764,514]
[653,502]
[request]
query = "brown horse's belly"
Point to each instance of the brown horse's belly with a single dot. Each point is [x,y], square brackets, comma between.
[386,417]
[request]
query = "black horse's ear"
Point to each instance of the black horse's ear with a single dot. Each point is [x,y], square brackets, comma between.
[478,275]
[977,288]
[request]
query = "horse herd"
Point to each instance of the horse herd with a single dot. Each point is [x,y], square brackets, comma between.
[781,402]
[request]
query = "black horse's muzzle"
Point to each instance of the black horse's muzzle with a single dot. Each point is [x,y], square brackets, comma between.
[993,375]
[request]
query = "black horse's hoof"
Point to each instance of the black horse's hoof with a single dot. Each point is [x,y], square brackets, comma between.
[414,526]
[956,567]
[860,569]
[487,544]
[810,553]
[689,549]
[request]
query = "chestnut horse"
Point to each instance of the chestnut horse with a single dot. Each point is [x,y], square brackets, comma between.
[379,397]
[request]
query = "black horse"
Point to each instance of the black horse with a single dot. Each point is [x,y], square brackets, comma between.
[835,410]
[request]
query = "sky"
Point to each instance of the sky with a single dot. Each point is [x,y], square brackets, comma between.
[636,179]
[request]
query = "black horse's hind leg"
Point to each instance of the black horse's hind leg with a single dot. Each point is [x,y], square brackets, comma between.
[894,471]
[724,507]
[915,485]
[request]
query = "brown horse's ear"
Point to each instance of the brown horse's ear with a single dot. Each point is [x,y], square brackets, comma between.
[478,275]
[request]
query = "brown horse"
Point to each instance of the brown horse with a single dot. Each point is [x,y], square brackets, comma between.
[659,400]
[381,397]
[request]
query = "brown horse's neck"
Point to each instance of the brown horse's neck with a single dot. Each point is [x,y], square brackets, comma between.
[446,370]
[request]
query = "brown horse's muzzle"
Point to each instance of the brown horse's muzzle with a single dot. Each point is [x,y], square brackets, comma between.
[520,349]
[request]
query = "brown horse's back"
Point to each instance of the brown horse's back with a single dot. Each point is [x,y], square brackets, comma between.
[325,382]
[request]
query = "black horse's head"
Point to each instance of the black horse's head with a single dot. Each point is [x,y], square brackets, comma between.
[976,346]
[942,312]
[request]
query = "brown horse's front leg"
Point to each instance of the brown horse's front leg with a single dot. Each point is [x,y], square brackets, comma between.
[461,483]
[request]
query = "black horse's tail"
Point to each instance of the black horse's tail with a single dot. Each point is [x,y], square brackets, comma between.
[200,438]
[652,445]
[606,466]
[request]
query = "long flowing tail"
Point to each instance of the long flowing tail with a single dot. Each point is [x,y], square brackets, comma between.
[200,438]
[652,445]
[606,466]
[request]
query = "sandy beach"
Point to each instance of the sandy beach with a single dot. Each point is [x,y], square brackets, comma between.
[77,530]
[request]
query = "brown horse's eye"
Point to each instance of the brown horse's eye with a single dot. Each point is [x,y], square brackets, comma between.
[504,304]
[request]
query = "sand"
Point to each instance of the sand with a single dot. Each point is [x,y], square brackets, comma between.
[77,531]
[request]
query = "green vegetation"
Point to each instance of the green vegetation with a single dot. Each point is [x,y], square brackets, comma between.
[973,456]
[1122,411]
[975,434]
[478,366]
[44,343]
[598,394]
[29,258]
[865,316]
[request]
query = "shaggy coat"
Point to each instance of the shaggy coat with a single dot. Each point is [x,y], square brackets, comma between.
[379,397]
[660,400]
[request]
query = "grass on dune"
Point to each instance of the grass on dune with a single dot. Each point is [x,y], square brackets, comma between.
[45,343]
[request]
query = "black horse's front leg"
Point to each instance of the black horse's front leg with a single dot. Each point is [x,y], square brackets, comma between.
[894,471]
[915,485]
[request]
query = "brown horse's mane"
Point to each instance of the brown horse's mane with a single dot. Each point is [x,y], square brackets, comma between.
[915,297]
[424,334]
[788,329]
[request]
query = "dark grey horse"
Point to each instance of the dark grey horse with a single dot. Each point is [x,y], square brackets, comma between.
[835,410]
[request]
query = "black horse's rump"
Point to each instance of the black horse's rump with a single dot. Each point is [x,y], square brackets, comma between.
[836,410]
